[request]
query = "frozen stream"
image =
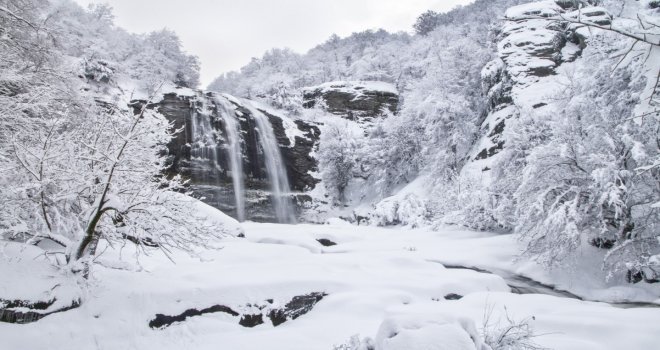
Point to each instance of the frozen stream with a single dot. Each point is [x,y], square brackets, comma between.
[520,284]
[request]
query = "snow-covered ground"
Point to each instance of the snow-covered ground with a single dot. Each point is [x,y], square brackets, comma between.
[372,275]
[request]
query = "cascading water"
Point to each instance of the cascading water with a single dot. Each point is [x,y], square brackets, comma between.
[207,164]
[234,153]
[279,181]
[203,147]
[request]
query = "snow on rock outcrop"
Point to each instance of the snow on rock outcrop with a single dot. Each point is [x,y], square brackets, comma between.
[525,75]
[354,100]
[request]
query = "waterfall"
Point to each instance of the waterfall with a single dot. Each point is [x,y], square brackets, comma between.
[234,153]
[265,151]
[279,182]
[203,146]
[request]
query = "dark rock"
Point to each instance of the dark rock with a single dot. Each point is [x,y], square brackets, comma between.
[498,129]
[326,242]
[491,151]
[162,321]
[453,296]
[250,321]
[297,157]
[604,243]
[297,307]
[36,310]
[638,275]
[353,100]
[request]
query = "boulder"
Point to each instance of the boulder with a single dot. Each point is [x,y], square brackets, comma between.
[354,100]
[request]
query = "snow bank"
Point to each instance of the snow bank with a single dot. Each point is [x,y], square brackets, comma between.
[428,332]
[28,275]
[379,281]
[408,207]
[205,212]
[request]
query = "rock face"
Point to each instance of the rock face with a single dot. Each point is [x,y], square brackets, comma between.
[354,100]
[208,166]
[530,50]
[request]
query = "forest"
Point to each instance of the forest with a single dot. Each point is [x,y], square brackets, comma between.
[488,180]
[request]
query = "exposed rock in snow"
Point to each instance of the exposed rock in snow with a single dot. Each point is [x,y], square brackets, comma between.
[297,307]
[354,100]
[293,309]
[326,242]
[161,321]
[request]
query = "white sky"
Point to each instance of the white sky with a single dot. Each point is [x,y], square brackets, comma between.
[225,34]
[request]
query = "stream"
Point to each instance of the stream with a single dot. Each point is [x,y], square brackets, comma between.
[520,284]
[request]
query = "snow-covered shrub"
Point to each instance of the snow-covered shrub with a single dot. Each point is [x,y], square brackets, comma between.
[356,343]
[402,209]
[98,70]
[508,333]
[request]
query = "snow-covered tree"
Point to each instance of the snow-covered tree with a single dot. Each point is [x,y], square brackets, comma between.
[81,162]
[337,159]
[426,22]
[585,182]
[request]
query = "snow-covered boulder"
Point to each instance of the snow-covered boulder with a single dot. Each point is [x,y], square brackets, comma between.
[31,286]
[421,332]
[354,100]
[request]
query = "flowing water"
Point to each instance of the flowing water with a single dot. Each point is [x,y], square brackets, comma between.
[204,151]
[203,147]
[520,284]
[234,153]
[276,171]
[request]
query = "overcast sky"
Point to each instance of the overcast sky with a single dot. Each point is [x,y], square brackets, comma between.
[225,34]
